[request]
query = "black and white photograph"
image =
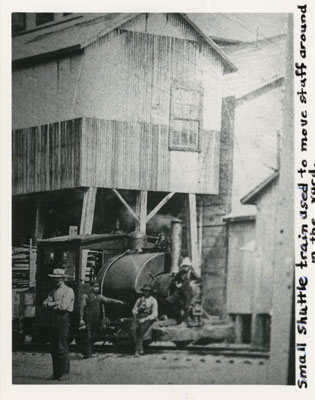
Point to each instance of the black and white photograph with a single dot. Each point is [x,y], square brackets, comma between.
[153,188]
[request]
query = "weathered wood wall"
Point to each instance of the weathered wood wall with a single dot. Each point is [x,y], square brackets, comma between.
[242,267]
[215,208]
[108,154]
[125,155]
[126,76]
[250,273]
[265,248]
[46,157]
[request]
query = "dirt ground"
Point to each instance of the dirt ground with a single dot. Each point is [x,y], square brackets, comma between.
[158,366]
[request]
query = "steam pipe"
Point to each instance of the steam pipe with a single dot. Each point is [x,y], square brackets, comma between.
[176,243]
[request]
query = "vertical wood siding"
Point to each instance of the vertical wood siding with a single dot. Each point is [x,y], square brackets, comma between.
[242,266]
[108,154]
[124,155]
[121,89]
[46,157]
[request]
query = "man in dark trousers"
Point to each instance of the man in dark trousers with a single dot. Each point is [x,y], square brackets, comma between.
[145,312]
[60,303]
[91,310]
[185,288]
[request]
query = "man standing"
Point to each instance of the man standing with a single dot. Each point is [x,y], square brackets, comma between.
[91,315]
[145,312]
[60,303]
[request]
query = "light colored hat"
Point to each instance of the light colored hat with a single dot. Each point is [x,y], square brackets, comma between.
[58,273]
[186,261]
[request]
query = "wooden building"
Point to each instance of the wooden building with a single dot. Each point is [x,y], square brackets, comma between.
[126,104]
[264,196]
[258,87]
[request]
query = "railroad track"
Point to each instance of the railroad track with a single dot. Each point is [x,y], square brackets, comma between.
[228,350]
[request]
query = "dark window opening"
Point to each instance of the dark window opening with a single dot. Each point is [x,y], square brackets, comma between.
[43,18]
[65,14]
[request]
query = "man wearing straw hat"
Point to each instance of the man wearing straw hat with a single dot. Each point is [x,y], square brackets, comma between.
[60,303]
[145,312]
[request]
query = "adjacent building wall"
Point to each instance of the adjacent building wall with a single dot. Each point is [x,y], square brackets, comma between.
[214,233]
[242,267]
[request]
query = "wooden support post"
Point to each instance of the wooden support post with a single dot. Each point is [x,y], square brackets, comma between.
[192,234]
[32,266]
[238,328]
[157,208]
[39,223]
[200,227]
[135,216]
[257,331]
[88,208]
[141,210]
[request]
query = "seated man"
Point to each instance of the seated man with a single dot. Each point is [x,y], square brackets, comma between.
[91,315]
[180,298]
[184,292]
[145,312]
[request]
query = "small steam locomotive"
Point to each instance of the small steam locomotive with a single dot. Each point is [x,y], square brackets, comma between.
[122,264]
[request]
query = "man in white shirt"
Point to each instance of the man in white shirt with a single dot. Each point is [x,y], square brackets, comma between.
[145,312]
[60,303]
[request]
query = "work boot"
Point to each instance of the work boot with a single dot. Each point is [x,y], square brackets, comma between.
[52,378]
[64,378]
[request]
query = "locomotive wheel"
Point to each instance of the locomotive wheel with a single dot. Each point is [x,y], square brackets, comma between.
[182,344]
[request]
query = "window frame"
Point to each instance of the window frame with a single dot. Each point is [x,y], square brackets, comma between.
[188,86]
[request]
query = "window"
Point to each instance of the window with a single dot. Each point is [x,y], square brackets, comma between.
[185,118]
[43,18]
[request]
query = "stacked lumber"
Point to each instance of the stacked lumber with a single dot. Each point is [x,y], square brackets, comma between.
[21,267]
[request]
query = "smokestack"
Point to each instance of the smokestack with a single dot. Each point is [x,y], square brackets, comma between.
[176,243]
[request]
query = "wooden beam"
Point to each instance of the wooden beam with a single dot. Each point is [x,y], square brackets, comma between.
[39,223]
[32,266]
[238,328]
[200,226]
[258,333]
[192,234]
[141,210]
[159,206]
[87,216]
[126,204]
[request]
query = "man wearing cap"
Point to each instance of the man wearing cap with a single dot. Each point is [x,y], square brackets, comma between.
[60,303]
[91,309]
[145,312]
[186,271]
[186,288]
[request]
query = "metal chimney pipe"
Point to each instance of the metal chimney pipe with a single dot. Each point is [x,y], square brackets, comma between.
[176,243]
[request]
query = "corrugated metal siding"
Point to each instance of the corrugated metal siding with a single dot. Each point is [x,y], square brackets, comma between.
[46,157]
